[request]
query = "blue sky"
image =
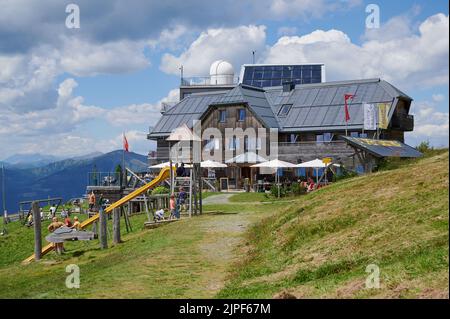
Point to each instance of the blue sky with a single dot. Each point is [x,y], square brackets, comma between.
[76,90]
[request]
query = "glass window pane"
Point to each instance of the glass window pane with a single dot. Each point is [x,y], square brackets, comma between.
[319,138]
[266,83]
[257,75]
[276,82]
[276,74]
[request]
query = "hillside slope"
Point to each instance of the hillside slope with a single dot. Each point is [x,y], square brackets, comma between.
[320,246]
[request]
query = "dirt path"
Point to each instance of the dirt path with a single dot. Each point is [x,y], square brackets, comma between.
[217,199]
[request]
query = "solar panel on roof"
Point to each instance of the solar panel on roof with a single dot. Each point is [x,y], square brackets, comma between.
[276,75]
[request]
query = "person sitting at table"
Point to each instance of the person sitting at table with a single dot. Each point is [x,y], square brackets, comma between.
[310,185]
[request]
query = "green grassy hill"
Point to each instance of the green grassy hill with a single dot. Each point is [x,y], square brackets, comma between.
[320,245]
[313,246]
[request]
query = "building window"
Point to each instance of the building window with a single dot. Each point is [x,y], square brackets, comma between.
[354,134]
[319,138]
[233,143]
[212,144]
[222,116]
[253,143]
[293,138]
[241,115]
[327,137]
[363,135]
[284,110]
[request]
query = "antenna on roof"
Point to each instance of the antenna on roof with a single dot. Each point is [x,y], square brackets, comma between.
[181,74]
[253,56]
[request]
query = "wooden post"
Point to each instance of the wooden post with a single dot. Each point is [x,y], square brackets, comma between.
[122,210]
[103,230]
[94,228]
[37,231]
[195,188]
[116,226]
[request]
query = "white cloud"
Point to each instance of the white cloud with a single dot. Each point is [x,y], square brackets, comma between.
[57,130]
[232,44]
[27,81]
[172,96]
[134,114]
[82,58]
[406,61]
[429,123]
[172,38]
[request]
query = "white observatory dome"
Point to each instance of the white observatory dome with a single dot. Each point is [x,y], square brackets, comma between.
[221,72]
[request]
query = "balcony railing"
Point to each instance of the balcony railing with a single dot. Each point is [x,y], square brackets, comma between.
[313,143]
[403,121]
[103,179]
[206,80]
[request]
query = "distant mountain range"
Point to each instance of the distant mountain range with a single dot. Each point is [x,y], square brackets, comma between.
[39,160]
[68,178]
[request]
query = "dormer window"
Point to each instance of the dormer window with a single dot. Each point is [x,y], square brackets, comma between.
[284,110]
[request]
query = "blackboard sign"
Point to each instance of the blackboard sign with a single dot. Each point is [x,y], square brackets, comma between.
[224,183]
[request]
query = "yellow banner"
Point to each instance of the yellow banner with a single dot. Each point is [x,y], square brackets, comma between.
[383,115]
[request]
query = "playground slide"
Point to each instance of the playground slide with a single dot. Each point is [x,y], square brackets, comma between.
[163,175]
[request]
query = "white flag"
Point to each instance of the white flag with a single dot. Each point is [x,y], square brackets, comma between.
[370,121]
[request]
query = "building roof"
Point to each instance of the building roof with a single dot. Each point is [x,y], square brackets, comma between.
[382,148]
[320,106]
[186,111]
[313,107]
[254,98]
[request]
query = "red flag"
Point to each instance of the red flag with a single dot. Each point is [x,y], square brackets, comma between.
[347,114]
[125,143]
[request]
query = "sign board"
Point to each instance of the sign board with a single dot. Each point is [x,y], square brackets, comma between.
[383,115]
[224,183]
[211,173]
[370,118]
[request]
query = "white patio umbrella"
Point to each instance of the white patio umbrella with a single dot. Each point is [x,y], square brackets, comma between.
[167,164]
[317,163]
[212,164]
[276,163]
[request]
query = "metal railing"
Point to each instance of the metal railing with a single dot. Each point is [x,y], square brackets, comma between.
[103,179]
[312,143]
[207,80]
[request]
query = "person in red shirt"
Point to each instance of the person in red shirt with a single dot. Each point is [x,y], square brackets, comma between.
[67,221]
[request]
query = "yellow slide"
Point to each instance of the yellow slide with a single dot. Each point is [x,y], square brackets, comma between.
[163,175]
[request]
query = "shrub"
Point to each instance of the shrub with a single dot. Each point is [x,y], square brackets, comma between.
[344,175]
[160,190]
[274,191]
[424,147]
[297,189]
